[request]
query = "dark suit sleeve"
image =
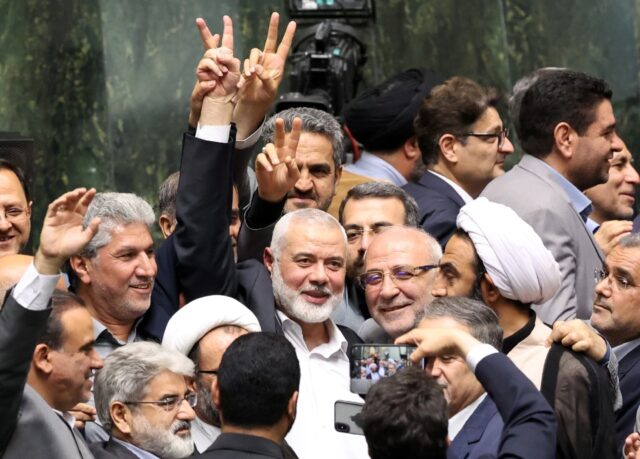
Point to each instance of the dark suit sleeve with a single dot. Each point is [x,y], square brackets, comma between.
[205,263]
[529,423]
[20,329]
[257,229]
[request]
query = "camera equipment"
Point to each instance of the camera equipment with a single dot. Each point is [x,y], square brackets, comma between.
[328,56]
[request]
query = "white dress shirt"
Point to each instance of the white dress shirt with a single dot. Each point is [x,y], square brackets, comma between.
[203,434]
[466,197]
[324,379]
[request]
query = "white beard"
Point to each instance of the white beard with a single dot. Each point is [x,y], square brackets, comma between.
[296,307]
[161,442]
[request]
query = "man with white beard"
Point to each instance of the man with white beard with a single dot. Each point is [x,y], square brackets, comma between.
[140,399]
[307,260]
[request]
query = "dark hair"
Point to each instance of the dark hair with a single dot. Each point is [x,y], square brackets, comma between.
[258,375]
[405,415]
[450,108]
[167,196]
[385,191]
[61,302]
[481,320]
[478,266]
[4,164]
[559,96]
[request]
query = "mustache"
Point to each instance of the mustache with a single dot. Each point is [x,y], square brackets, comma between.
[316,289]
[180,425]
[302,195]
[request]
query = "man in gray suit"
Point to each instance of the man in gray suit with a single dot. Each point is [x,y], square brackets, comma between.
[46,353]
[567,129]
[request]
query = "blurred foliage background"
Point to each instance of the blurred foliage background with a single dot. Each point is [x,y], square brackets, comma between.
[103,86]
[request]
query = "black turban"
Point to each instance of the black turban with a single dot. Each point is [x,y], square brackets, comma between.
[381,118]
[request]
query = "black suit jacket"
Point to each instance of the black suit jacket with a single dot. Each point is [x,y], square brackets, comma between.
[439,205]
[240,446]
[529,423]
[111,450]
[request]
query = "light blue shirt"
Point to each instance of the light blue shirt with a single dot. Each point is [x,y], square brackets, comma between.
[623,349]
[577,199]
[372,166]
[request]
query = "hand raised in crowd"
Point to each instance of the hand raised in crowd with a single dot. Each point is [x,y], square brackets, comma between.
[83,413]
[578,336]
[276,168]
[632,446]
[610,233]
[434,341]
[62,232]
[218,72]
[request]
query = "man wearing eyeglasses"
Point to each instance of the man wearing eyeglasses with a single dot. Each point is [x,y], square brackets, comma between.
[15,209]
[567,129]
[144,400]
[464,145]
[400,267]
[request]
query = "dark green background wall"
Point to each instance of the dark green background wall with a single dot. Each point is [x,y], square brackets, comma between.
[103,86]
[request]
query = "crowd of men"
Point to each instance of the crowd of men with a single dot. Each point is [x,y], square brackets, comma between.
[519,289]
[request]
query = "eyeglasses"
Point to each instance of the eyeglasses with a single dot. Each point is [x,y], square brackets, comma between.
[354,234]
[207,372]
[14,213]
[501,136]
[620,282]
[375,277]
[169,403]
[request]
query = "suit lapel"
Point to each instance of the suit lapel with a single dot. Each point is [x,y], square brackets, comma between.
[628,362]
[473,429]
[433,182]
[533,166]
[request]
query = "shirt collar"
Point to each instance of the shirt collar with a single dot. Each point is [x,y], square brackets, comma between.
[67,417]
[577,199]
[293,331]
[458,420]
[623,349]
[102,333]
[203,434]
[466,197]
[138,452]
[371,165]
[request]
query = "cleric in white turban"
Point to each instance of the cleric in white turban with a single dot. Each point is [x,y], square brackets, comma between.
[202,330]
[513,254]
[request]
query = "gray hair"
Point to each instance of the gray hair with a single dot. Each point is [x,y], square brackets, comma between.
[481,320]
[127,372]
[167,196]
[386,191]
[521,87]
[115,209]
[313,121]
[306,218]
[631,241]
[429,241]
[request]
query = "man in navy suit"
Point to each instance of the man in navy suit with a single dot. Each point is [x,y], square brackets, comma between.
[615,316]
[464,145]
[460,338]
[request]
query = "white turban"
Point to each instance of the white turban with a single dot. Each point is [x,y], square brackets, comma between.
[515,257]
[199,317]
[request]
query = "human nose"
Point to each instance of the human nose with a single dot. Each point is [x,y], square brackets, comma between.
[147,265]
[96,360]
[433,368]
[388,289]
[319,274]
[616,142]
[631,174]
[5,224]
[234,230]
[507,147]
[304,183]
[186,412]
[603,287]
[439,288]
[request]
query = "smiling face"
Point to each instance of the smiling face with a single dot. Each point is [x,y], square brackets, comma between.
[589,164]
[119,279]
[616,309]
[15,214]
[73,364]
[480,160]
[614,200]
[308,278]
[394,303]
[318,174]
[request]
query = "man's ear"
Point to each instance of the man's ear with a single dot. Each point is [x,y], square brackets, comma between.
[41,359]
[292,406]
[489,291]
[121,417]
[215,393]
[338,176]
[167,225]
[447,144]
[268,259]
[565,138]
[81,266]
[411,149]
[30,208]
